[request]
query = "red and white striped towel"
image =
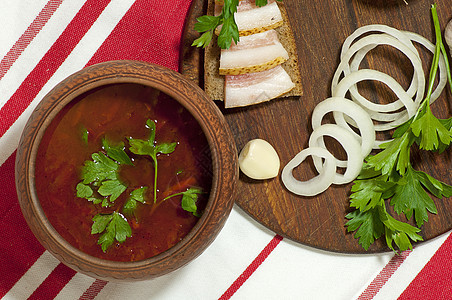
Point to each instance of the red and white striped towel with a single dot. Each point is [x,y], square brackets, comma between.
[42,42]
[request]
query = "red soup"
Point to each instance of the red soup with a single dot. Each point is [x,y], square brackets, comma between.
[96,166]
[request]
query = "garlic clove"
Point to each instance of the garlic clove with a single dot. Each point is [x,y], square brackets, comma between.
[448,34]
[259,160]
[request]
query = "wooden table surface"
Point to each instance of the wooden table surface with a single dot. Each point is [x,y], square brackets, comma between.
[320,28]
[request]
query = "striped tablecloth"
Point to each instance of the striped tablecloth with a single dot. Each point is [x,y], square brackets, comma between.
[42,42]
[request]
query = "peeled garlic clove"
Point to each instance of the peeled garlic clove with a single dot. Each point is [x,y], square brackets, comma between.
[259,160]
[448,34]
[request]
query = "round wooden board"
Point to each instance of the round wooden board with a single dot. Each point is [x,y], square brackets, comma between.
[320,30]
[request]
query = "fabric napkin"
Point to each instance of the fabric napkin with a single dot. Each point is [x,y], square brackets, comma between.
[44,41]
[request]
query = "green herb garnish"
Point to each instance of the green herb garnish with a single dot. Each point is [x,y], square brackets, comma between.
[116,152]
[229,31]
[135,197]
[189,198]
[100,184]
[390,175]
[100,173]
[151,148]
[113,227]
[85,134]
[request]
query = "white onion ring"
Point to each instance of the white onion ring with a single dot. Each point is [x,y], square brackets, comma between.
[376,28]
[350,145]
[358,58]
[397,34]
[442,63]
[353,110]
[381,39]
[368,74]
[315,185]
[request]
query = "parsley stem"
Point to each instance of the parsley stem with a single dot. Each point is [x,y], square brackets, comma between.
[173,195]
[435,62]
[439,47]
[155,179]
[437,53]
[446,62]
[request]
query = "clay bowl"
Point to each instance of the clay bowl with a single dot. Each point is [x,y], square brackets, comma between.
[223,155]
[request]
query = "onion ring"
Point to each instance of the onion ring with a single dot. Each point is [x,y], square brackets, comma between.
[368,74]
[442,63]
[358,58]
[350,145]
[381,39]
[353,110]
[376,28]
[315,185]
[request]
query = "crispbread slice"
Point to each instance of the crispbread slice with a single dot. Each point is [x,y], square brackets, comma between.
[214,82]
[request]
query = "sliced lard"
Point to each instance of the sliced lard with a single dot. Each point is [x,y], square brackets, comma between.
[253,53]
[253,88]
[252,19]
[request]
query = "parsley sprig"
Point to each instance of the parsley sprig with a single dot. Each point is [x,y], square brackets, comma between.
[390,175]
[101,184]
[229,31]
[113,227]
[189,198]
[137,195]
[151,148]
[100,180]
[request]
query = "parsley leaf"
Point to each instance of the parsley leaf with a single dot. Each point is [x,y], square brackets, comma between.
[203,40]
[206,23]
[116,152]
[367,224]
[432,133]
[114,226]
[100,223]
[85,134]
[373,223]
[367,193]
[99,169]
[137,195]
[84,191]
[261,2]
[151,148]
[395,155]
[410,197]
[447,123]
[229,32]
[101,172]
[113,188]
[189,198]
[398,232]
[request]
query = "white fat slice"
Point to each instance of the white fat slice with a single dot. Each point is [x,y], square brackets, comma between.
[253,88]
[252,19]
[253,53]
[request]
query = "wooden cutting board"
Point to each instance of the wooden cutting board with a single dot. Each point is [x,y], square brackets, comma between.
[320,30]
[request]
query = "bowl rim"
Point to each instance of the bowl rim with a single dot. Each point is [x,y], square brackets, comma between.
[162,79]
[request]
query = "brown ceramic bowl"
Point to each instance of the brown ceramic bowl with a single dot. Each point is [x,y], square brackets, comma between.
[223,156]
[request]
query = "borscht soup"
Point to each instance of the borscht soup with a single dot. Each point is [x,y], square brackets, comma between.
[123,172]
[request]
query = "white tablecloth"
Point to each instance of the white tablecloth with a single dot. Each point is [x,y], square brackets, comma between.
[42,42]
